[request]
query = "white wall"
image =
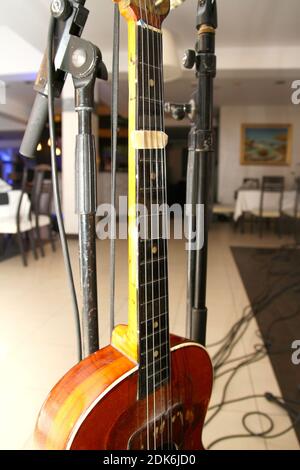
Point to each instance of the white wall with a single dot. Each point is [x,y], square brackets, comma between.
[231,172]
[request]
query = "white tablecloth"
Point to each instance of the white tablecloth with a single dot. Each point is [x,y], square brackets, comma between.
[249,200]
[11,209]
[4,187]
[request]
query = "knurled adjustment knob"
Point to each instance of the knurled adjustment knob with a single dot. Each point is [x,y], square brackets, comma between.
[61,9]
[189,59]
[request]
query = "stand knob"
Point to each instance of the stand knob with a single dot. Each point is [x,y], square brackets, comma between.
[61,9]
[189,59]
[178,113]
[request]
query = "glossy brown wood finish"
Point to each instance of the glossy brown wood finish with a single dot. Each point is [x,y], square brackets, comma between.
[95,405]
[146,10]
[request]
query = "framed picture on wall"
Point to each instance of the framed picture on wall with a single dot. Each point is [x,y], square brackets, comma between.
[266,144]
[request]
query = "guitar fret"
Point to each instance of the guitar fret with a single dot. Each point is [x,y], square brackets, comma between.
[157,298]
[153,383]
[152,100]
[159,321]
[148,65]
[151,282]
[151,189]
[156,317]
[160,358]
[153,291]
[159,373]
[163,258]
[149,272]
[154,344]
[156,332]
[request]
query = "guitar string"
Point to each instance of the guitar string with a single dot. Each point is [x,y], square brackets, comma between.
[151,231]
[165,245]
[141,44]
[166,392]
[161,393]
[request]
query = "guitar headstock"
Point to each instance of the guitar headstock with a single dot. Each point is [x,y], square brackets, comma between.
[152,12]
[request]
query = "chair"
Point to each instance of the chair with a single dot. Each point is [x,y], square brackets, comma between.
[15,219]
[41,199]
[275,185]
[250,183]
[294,213]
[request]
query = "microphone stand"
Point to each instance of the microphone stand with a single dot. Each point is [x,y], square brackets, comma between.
[83,61]
[201,151]
[73,16]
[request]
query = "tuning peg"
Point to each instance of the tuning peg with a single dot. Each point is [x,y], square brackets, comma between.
[189,59]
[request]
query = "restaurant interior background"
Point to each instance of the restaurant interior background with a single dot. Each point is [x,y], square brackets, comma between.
[253,331]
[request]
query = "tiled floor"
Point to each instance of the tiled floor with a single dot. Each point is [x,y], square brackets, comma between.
[37,337]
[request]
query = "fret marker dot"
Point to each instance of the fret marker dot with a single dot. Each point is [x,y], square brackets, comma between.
[153,176]
[156,353]
[151,82]
[154,250]
[156,324]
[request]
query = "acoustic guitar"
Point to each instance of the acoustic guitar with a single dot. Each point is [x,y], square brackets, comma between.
[147,390]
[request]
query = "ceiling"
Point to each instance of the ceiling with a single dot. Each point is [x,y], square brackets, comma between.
[241,22]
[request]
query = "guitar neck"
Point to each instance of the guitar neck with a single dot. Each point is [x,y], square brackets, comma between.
[150,176]
[147,339]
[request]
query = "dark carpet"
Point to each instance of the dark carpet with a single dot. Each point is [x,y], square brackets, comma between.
[274,275]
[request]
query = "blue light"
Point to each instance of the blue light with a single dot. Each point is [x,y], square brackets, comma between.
[7,159]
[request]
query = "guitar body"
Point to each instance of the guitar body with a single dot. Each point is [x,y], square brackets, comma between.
[95,406]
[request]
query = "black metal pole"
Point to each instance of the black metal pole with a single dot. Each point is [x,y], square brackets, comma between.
[200,159]
[191,200]
[86,191]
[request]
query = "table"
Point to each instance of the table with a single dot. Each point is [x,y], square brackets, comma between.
[11,209]
[4,187]
[249,200]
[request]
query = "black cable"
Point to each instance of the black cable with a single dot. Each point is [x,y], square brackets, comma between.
[249,397]
[236,332]
[262,434]
[232,337]
[57,201]
[250,433]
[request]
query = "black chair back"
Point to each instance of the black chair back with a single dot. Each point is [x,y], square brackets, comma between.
[272,184]
[42,190]
[252,183]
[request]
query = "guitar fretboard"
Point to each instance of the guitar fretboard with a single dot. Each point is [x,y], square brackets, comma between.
[154,347]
